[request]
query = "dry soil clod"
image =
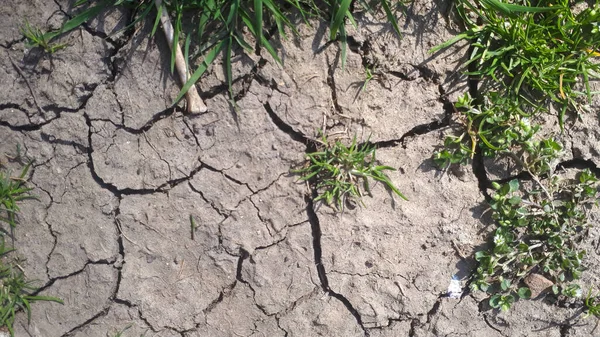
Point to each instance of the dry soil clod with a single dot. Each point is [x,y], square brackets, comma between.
[194,102]
[537,284]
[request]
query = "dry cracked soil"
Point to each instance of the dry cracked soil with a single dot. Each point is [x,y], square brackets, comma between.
[119,173]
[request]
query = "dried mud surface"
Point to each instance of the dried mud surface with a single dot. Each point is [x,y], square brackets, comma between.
[119,174]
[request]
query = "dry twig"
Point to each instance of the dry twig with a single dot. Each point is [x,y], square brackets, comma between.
[194,102]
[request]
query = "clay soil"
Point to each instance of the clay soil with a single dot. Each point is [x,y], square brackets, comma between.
[119,173]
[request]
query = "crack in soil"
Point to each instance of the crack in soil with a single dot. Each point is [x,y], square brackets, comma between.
[118,192]
[487,321]
[53,280]
[337,108]
[54,108]
[316,234]
[168,112]
[88,321]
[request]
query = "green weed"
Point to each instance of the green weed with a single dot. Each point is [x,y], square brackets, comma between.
[338,171]
[121,333]
[528,58]
[532,55]
[539,231]
[13,190]
[15,291]
[592,305]
[495,129]
[36,38]
[221,26]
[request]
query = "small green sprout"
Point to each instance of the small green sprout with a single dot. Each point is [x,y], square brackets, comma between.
[338,171]
[13,190]
[37,38]
[193,226]
[592,305]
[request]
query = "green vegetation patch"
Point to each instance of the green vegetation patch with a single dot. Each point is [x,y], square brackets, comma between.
[208,28]
[528,59]
[16,292]
[338,171]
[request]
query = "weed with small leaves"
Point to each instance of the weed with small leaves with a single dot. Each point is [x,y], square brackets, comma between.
[538,232]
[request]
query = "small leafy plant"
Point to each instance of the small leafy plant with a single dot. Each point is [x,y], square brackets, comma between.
[338,171]
[15,291]
[496,128]
[538,231]
[528,58]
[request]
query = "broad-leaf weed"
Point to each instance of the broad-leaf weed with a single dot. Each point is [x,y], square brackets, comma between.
[538,231]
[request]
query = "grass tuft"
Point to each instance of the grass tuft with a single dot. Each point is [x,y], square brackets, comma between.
[222,26]
[16,293]
[338,171]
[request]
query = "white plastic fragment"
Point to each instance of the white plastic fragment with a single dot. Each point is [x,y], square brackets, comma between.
[454,288]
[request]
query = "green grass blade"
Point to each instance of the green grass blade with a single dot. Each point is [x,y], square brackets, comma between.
[450,42]
[509,9]
[344,42]
[258,19]
[390,17]
[338,18]
[157,19]
[228,71]
[265,43]
[45,298]
[79,19]
[208,60]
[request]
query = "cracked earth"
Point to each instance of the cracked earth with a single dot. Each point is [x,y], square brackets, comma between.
[119,174]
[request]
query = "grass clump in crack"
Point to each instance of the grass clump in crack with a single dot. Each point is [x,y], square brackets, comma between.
[16,292]
[533,56]
[337,172]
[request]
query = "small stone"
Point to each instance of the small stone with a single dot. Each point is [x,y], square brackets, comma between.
[537,284]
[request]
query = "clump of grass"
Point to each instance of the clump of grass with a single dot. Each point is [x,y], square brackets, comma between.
[12,191]
[592,305]
[221,26]
[528,58]
[15,291]
[338,171]
[534,55]
[36,38]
